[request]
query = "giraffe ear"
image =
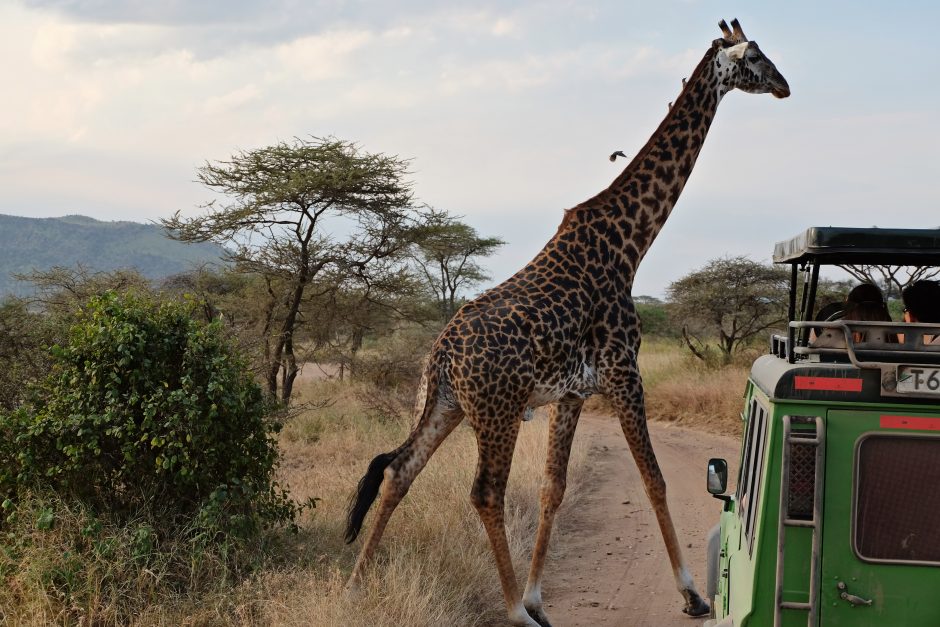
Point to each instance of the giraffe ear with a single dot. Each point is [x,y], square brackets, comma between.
[736,52]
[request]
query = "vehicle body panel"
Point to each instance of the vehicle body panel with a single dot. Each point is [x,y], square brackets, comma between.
[901,594]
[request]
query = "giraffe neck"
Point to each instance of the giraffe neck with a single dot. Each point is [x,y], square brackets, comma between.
[631,212]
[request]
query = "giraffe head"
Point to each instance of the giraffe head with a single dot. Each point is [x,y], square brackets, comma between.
[742,65]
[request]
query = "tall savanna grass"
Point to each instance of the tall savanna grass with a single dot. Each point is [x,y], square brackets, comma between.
[435,566]
[683,389]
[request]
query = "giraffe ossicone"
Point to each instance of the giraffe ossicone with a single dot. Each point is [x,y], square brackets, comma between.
[562,328]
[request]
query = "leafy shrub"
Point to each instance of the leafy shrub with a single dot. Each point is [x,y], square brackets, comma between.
[147,409]
[61,563]
[655,320]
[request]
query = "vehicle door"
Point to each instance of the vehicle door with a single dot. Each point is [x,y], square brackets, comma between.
[881,520]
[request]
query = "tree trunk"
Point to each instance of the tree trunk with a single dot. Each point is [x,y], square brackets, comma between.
[270,374]
[451,304]
[284,347]
[290,371]
[688,342]
[355,344]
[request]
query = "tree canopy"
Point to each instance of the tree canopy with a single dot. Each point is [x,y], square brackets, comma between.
[892,280]
[733,298]
[447,257]
[309,215]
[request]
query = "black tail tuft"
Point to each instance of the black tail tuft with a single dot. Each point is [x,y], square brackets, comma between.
[365,494]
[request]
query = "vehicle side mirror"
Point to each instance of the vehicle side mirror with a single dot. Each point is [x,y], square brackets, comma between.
[717,476]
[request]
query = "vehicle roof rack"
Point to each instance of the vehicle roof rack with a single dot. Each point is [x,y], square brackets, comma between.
[829,245]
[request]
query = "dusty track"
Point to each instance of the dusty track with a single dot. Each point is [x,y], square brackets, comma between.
[613,569]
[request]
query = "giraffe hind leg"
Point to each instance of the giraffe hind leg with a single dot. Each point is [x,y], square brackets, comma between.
[563,420]
[392,474]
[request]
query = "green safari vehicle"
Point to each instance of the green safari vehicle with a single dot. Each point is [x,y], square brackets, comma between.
[835,520]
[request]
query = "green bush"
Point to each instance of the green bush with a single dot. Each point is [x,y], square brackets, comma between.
[146,409]
[655,320]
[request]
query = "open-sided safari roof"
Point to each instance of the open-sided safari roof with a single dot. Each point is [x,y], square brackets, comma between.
[839,245]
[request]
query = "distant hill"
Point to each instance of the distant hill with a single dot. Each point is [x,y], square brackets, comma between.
[28,244]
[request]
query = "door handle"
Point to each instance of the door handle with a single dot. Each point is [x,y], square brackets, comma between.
[851,598]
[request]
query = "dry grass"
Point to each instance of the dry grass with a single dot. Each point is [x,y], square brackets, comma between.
[435,566]
[73,570]
[682,389]
[710,400]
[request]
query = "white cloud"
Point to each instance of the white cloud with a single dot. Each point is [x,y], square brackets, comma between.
[234,99]
[320,57]
[508,110]
[52,43]
[503,26]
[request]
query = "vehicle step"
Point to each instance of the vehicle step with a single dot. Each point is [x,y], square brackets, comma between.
[790,522]
[793,605]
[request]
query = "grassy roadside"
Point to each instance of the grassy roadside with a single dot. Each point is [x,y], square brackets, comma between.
[686,391]
[434,566]
[682,389]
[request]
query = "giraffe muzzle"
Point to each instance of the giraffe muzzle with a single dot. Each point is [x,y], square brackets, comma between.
[780,88]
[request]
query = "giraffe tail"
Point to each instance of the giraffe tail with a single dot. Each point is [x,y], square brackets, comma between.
[366,492]
[368,488]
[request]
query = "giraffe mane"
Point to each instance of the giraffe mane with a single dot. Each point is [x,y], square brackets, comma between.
[595,203]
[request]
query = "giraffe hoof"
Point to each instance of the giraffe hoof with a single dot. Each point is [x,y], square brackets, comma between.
[538,616]
[354,589]
[697,606]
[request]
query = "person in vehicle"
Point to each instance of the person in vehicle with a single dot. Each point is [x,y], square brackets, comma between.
[870,311]
[864,303]
[865,292]
[922,304]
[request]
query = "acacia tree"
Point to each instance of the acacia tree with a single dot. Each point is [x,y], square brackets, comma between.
[296,212]
[345,312]
[447,257]
[60,290]
[892,279]
[732,298]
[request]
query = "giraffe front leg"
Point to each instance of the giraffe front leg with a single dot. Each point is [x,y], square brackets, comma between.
[628,400]
[563,420]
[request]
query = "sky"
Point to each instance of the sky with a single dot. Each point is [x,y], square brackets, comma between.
[507,110]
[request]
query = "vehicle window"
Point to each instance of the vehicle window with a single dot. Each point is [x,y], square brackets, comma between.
[757,471]
[897,512]
[751,468]
[745,460]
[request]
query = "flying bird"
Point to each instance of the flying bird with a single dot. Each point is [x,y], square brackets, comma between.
[618,153]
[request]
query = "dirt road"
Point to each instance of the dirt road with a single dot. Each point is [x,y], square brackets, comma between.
[613,569]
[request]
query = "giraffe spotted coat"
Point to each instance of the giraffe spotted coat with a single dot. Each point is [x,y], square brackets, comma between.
[561,329]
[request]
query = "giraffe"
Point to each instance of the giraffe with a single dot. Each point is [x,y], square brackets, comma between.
[559,330]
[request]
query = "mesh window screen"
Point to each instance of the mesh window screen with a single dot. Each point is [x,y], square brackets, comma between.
[802,480]
[898,512]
